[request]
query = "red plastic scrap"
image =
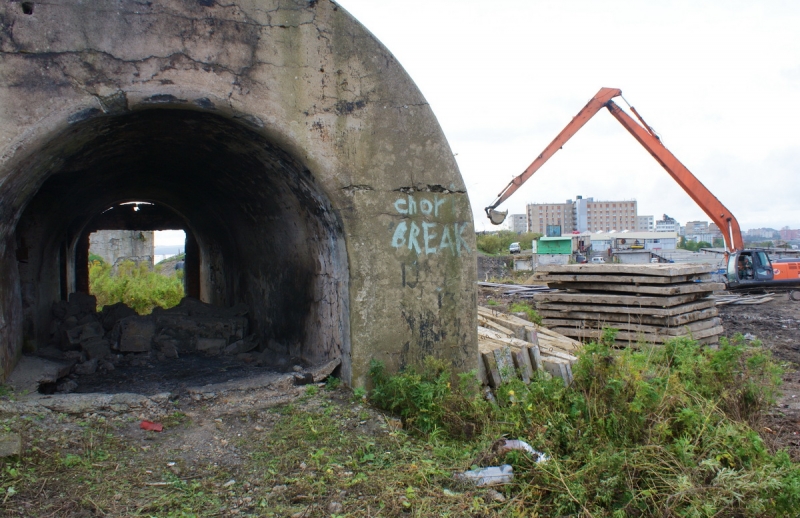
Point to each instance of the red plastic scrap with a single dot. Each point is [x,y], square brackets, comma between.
[150,426]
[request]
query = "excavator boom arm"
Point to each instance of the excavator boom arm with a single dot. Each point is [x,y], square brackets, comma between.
[715,210]
[592,107]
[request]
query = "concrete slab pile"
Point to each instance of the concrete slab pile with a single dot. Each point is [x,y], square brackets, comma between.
[647,302]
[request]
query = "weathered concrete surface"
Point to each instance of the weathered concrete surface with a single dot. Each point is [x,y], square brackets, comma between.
[312,176]
[115,246]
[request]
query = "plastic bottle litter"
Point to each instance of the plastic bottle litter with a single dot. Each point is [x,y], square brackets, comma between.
[491,476]
[508,445]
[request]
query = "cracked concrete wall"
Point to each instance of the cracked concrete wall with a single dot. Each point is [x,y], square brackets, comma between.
[331,129]
[123,245]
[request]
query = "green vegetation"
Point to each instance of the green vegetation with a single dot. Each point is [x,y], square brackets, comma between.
[137,286]
[173,258]
[498,242]
[662,431]
[693,246]
[524,307]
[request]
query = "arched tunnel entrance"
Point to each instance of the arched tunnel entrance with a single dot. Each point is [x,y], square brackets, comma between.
[261,233]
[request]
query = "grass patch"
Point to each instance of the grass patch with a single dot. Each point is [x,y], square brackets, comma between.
[523,307]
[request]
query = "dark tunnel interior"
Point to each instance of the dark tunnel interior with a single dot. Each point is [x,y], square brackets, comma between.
[260,231]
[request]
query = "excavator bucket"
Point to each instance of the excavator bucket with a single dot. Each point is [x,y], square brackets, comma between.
[495,216]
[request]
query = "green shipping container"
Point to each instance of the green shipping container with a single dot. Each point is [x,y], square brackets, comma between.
[555,245]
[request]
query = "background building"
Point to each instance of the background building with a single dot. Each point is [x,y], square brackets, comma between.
[517,223]
[645,224]
[540,215]
[788,234]
[583,215]
[696,227]
[668,224]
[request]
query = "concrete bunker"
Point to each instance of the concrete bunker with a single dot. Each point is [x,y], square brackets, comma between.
[310,173]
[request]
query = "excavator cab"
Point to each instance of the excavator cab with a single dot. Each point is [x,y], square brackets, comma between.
[748,268]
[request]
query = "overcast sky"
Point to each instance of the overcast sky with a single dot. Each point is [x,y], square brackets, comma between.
[718,80]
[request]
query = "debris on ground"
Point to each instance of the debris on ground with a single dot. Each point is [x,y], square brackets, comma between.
[504,446]
[491,476]
[150,426]
[723,299]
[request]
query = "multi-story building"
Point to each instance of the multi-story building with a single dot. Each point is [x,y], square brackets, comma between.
[761,233]
[667,224]
[645,224]
[583,215]
[788,234]
[540,215]
[517,223]
[696,227]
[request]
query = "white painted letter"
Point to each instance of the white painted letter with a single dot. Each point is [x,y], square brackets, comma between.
[399,238]
[412,205]
[446,242]
[460,239]
[397,204]
[412,238]
[436,204]
[426,207]
[428,236]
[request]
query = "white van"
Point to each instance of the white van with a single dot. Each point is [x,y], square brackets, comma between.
[598,260]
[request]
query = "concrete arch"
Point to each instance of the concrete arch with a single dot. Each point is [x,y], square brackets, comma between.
[312,171]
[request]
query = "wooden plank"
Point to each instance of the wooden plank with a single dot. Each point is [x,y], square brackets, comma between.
[505,363]
[672,289]
[656,270]
[522,361]
[491,324]
[488,340]
[588,334]
[638,328]
[491,370]
[632,310]
[620,279]
[610,298]
[497,321]
[536,357]
[524,325]
[611,318]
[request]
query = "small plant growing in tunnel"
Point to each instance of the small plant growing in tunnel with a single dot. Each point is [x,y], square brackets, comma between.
[135,285]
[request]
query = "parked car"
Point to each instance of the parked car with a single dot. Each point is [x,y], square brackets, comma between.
[598,260]
[514,248]
[581,259]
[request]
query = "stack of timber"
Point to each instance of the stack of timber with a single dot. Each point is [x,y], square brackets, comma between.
[512,347]
[645,302]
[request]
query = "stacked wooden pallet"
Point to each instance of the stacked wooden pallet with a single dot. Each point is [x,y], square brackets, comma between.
[512,347]
[645,302]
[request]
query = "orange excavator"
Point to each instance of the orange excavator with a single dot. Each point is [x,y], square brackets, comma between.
[745,268]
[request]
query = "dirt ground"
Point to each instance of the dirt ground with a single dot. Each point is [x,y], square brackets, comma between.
[777,325]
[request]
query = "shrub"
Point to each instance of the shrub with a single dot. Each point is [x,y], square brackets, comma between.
[427,401]
[136,286]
